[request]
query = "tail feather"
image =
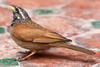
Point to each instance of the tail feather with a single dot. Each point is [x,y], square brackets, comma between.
[74,47]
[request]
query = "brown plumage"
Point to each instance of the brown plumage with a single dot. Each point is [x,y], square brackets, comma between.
[34,37]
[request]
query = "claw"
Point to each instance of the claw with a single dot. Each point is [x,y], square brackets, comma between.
[20,59]
[26,52]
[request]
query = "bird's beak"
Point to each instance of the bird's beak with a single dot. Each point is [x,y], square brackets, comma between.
[13,8]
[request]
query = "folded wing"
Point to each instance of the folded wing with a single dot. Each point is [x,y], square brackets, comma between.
[37,35]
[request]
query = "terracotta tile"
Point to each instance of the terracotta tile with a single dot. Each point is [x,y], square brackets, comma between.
[88,13]
[5,16]
[85,4]
[36,3]
[88,9]
[89,41]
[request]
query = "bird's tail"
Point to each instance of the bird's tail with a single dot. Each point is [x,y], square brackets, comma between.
[74,47]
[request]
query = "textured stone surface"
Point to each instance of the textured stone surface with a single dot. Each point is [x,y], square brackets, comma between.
[70,18]
[37,3]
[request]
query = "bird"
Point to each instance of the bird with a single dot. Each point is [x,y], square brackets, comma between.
[29,35]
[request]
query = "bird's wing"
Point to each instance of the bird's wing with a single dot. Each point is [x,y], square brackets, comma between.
[51,37]
[37,35]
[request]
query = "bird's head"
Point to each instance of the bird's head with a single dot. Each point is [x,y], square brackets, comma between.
[19,15]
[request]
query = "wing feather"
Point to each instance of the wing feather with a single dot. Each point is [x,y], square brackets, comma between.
[37,35]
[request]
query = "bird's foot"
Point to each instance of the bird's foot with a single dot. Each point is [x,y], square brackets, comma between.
[26,52]
[26,57]
[19,59]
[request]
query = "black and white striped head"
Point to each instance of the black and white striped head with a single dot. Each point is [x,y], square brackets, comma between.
[19,15]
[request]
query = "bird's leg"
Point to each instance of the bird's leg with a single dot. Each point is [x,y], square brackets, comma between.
[26,57]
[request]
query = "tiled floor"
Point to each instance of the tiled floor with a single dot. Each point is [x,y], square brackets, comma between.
[75,19]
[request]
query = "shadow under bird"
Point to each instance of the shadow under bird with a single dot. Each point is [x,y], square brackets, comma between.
[30,35]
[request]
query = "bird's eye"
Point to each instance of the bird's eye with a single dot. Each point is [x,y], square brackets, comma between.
[16,10]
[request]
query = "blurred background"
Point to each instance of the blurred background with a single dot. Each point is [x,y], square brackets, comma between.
[78,20]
